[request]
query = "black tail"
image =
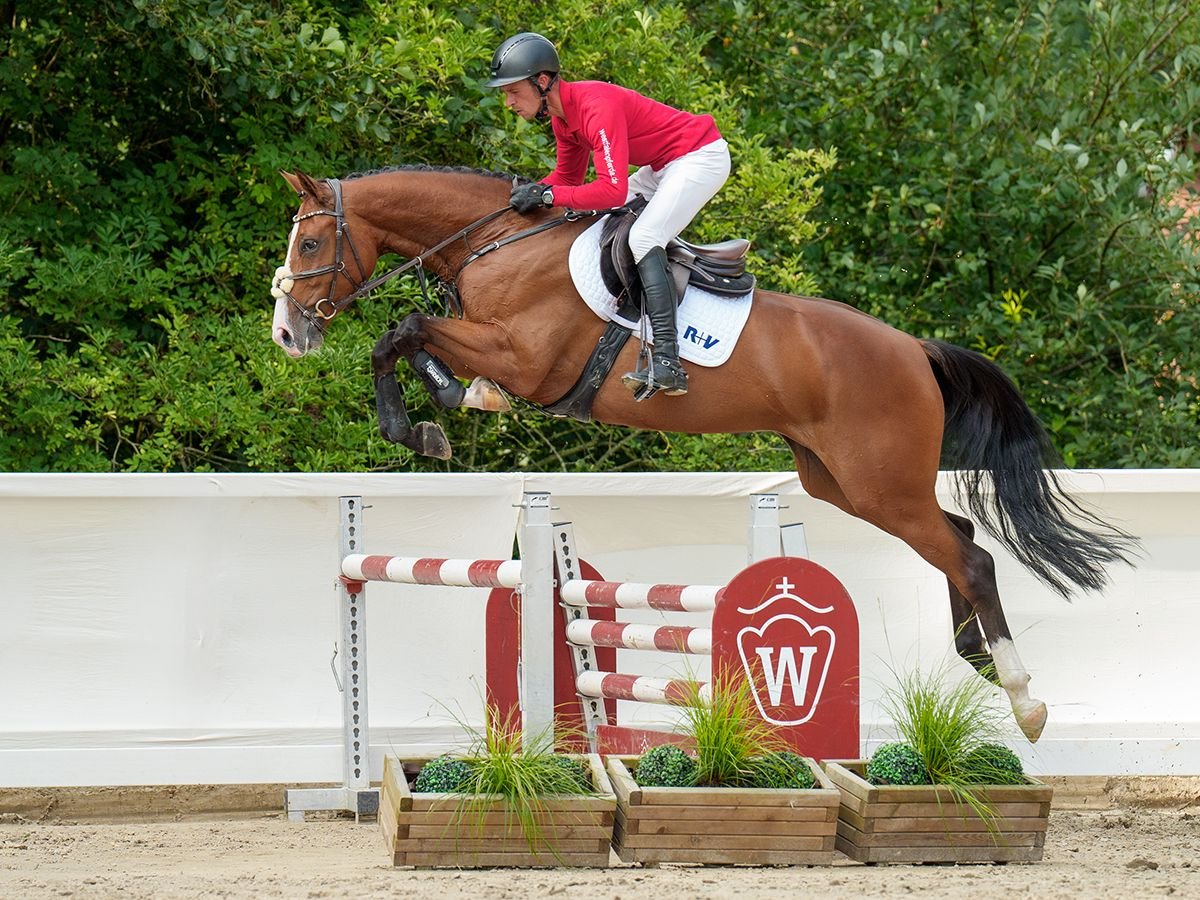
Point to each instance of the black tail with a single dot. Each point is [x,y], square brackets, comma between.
[990,428]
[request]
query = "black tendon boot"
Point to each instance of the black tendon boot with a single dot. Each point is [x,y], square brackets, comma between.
[658,292]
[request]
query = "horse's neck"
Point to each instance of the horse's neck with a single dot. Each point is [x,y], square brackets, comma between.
[415,211]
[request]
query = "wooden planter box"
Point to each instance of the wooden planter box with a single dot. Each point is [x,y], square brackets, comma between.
[434,830]
[926,824]
[753,826]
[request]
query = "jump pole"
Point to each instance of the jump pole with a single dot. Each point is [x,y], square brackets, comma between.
[532,577]
[784,622]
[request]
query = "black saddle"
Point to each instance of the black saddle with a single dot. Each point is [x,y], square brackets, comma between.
[720,268]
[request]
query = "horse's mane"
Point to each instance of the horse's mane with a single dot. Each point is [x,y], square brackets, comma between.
[456,170]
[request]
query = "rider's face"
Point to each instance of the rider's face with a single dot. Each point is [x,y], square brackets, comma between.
[522,99]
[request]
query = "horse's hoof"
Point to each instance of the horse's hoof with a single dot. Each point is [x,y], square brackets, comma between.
[483,394]
[1031,717]
[428,439]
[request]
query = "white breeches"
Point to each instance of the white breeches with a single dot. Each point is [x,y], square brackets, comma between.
[676,192]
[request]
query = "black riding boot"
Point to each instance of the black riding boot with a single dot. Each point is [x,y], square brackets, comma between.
[658,292]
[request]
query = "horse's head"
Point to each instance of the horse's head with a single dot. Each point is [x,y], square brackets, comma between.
[323,270]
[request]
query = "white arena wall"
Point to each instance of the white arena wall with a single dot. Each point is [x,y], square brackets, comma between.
[178,629]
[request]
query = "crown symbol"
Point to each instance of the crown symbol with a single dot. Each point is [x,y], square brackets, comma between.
[784,592]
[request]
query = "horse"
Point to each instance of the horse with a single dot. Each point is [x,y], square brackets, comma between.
[869,412]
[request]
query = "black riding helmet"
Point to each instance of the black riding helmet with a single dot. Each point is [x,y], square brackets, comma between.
[523,55]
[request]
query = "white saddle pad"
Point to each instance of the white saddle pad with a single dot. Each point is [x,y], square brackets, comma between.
[709,324]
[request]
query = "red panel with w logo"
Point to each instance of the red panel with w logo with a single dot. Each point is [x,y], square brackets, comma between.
[791,628]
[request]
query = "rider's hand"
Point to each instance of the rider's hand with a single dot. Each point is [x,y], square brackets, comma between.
[528,197]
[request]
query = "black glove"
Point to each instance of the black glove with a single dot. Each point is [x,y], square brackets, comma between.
[528,197]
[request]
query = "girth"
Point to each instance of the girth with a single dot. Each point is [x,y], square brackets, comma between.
[577,403]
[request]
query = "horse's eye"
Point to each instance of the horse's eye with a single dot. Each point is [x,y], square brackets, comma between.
[309,245]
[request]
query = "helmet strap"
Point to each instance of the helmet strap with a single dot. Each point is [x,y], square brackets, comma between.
[543,112]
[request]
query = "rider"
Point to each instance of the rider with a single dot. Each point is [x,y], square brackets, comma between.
[682,159]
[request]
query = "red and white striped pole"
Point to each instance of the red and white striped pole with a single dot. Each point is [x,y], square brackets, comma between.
[630,595]
[669,638]
[642,688]
[488,573]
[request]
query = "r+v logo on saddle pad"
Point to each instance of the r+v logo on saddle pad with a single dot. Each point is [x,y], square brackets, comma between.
[693,334]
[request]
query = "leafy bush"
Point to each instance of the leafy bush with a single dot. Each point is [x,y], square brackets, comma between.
[991,763]
[943,718]
[730,734]
[145,216]
[994,174]
[444,775]
[575,768]
[1009,179]
[665,766]
[782,769]
[953,728]
[897,763]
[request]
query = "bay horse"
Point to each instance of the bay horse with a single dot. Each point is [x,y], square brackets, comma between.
[868,411]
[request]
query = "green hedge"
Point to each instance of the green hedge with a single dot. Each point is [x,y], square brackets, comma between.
[995,177]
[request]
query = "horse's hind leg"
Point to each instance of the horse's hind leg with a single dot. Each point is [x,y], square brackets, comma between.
[910,512]
[970,568]
[968,636]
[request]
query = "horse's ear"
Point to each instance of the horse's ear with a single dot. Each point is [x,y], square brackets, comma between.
[293,180]
[301,183]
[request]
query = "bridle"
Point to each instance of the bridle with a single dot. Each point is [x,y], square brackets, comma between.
[326,308]
[316,316]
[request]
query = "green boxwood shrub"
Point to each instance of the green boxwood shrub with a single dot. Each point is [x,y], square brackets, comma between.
[576,768]
[897,763]
[443,775]
[992,763]
[783,769]
[665,766]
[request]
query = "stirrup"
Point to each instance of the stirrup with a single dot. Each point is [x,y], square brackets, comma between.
[644,384]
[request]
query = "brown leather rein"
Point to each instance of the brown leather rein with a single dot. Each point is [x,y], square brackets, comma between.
[326,308]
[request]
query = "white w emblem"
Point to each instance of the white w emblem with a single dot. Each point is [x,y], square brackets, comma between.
[776,677]
[781,670]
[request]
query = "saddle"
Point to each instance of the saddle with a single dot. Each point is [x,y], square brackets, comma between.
[719,268]
[716,268]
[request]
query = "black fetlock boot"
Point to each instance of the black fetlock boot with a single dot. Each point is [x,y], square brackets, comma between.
[658,291]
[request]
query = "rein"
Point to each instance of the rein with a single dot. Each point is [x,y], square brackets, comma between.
[318,315]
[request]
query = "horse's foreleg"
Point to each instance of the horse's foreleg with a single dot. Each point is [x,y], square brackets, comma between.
[470,345]
[968,636]
[425,438]
[409,339]
[445,388]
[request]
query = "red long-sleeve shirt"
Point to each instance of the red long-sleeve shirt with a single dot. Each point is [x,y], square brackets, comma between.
[619,128]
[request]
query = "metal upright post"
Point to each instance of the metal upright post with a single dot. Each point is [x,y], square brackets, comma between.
[764,541]
[794,542]
[583,657]
[356,794]
[535,679]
